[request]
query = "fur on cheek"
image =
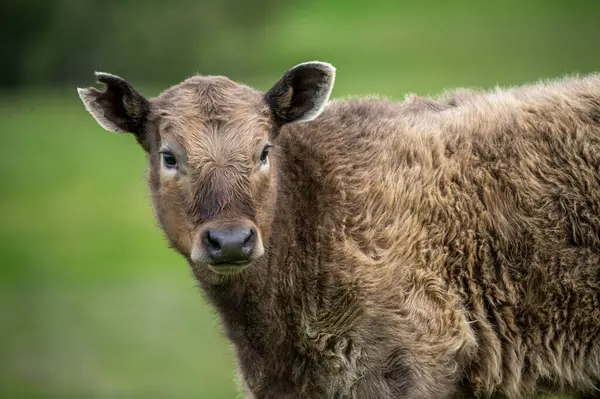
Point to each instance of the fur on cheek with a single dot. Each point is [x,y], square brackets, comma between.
[264,186]
[174,221]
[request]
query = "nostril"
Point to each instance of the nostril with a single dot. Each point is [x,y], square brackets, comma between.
[249,236]
[249,240]
[211,242]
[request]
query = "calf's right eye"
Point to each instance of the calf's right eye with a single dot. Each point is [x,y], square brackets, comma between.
[169,160]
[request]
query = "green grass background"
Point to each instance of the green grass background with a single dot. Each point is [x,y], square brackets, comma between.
[92,302]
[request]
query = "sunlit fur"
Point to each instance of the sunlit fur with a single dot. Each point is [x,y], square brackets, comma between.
[435,248]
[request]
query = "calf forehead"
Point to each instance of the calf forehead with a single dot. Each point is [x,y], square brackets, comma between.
[203,110]
[208,98]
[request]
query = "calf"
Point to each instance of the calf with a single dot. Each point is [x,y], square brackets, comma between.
[435,248]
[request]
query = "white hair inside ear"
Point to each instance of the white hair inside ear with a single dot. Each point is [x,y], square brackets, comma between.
[117,108]
[302,92]
[89,98]
[323,92]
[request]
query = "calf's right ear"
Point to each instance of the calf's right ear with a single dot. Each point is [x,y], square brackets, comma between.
[119,108]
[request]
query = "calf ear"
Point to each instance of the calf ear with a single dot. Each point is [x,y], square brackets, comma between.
[301,94]
[119,108]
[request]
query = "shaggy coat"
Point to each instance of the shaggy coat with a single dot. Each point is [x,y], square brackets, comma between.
[435,248]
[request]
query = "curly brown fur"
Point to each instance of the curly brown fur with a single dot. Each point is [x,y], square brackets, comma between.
[435,248]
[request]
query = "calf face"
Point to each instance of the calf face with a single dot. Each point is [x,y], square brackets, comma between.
[208,141]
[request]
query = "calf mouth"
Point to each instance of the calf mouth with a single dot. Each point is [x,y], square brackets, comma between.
[229,268]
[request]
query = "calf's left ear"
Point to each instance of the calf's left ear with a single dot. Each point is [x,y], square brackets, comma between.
[302,92]
[119,108]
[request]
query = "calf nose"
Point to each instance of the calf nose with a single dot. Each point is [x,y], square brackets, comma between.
[231,245]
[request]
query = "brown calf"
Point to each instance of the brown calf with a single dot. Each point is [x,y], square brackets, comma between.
[436,248]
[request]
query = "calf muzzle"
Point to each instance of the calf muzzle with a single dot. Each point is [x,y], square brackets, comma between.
[231,245]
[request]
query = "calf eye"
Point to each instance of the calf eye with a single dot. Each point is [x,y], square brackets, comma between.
[265,153]
[169,160]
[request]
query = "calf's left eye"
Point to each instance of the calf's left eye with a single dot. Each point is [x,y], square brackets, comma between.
[265,153]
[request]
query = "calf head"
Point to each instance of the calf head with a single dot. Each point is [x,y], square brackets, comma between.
[211,167]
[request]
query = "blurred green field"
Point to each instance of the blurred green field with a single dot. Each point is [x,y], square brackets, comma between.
[92,302]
